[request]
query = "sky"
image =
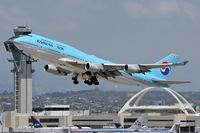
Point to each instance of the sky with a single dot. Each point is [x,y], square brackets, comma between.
[122,31]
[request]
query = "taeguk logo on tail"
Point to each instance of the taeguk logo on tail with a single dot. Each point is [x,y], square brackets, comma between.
[165,70]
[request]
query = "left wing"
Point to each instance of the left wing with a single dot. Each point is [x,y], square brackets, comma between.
[112,68]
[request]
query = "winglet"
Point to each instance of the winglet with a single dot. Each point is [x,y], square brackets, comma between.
[182,63]
[175,127]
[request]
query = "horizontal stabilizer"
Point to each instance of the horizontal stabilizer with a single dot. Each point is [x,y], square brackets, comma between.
[171,81]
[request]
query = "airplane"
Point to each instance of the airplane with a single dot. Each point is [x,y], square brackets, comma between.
[65,60]
[135,128]
[138,126]
[174,129]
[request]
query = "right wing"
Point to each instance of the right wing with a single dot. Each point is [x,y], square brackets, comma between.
[140,68]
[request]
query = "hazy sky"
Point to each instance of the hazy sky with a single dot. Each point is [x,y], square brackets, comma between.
[123,31]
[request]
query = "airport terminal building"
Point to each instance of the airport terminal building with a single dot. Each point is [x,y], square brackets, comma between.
[154,116]
[189,123]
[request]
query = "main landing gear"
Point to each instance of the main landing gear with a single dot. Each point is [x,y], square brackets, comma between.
[90,81]
[75,80]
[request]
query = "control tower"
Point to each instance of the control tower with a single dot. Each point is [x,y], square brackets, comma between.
[22,72]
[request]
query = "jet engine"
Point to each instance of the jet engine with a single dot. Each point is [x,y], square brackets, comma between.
[133,68]
[53,69]
[93,67]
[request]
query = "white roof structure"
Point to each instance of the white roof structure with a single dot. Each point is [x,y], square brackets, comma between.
[182,105]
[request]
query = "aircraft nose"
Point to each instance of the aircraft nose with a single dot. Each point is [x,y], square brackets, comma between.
[9,44]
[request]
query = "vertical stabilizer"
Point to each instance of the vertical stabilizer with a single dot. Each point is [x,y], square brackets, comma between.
[175,128]
[139,123]
[165,72]
[36,123]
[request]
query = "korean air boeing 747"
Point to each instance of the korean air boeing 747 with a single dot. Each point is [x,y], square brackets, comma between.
[64,59]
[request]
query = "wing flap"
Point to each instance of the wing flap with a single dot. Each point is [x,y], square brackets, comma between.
[70,61]
[171,81]
[113,67]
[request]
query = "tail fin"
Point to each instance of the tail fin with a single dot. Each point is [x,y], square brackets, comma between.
[175,128]
[36,123]
[2,118]
[165,71]
[1,121]
[139,123]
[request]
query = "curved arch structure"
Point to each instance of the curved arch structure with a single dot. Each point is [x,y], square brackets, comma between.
[133,104]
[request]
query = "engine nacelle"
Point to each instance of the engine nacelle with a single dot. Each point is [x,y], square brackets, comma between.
[134,68]
[53,69]
[93,67]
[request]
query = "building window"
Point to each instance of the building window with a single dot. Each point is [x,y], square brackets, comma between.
[52,125]
[56,109]
[126,120]
[92,120]
[49,120]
